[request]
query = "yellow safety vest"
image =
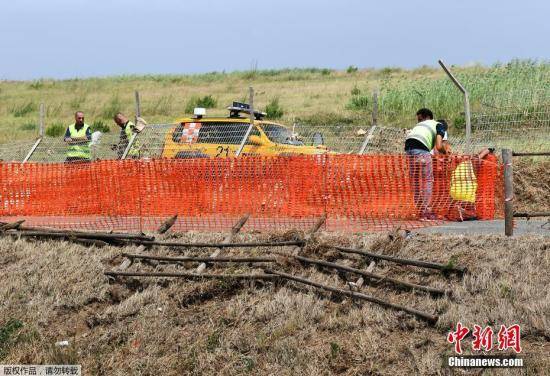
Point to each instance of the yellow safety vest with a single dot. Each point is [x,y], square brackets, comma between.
[134,149]
[80,150]
[425,132]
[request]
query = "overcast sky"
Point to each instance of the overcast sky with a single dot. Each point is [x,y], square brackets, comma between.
[81,38]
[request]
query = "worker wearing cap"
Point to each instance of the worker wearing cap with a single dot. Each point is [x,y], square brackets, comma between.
[426,136]
[78,135]
[127,130]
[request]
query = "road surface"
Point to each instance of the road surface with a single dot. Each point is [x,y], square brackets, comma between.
[522,227]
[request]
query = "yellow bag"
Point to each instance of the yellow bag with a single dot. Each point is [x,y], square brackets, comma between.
[464,183]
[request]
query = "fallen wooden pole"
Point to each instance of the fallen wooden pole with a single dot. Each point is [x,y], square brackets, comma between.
[316,226]
[532,215]
[216,245]
[373,276]
[166,225]
[30,228]
[398,260]
[309,235]
[228,239]
[85,241]
[201,259]
[190,275]
[49,230]
[77,234]
[4,226]
[423,315]
[535,154]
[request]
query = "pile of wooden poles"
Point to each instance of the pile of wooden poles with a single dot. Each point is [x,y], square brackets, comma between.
[351,289]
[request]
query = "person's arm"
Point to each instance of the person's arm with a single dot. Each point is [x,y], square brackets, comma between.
[80,140]
[67,138]
[440,146]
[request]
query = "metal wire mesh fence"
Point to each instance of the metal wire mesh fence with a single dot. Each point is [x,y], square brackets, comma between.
[16,151]
[218,139]
[529,129]
[512,119]
[515,119]
[356,193]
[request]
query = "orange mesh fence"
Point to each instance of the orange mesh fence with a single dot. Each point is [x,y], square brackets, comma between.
[357,193]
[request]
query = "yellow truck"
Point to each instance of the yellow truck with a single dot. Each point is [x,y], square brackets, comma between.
[202,137]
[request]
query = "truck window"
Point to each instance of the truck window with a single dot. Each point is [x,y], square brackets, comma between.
[224,133]
[279,134]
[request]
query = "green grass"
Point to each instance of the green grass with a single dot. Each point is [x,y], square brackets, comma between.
[274,109]
[111,108]
[207,101]
[317,96]
[28,127]
[101,126]
[497,88]
[20,110]
[55,130]
[7,333]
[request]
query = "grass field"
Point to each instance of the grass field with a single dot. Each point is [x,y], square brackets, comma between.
[315,96]
[138,326]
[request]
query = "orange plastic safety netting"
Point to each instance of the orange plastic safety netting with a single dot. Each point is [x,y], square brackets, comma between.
[356,193]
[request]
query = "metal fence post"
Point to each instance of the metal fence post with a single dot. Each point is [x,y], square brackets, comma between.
[134,135]
[138,105]
[375,108]
[508,192]
[40,133]
[33,148]
[466,103]
[368,136]
[41,120]
[245,138]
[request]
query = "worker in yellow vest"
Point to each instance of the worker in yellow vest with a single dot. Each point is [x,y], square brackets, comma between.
[78,135]
[127,130]
[426,136]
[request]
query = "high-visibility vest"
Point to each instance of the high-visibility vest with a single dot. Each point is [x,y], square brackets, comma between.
[128,131]
[464,183]
[80,150]
[425,132]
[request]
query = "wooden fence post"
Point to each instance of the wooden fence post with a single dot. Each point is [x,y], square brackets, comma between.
[508,192]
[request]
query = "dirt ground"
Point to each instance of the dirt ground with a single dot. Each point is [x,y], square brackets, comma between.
[55,291]
[532,185]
